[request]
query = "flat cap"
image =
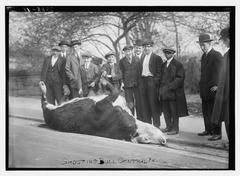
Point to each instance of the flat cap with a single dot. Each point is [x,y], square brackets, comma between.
[64,42]
[138,42]
[128,47]
[169,51]
[109,54]
[224,33]
[75,42]
[56,48]
[148,42]
[204,38]
[86,54]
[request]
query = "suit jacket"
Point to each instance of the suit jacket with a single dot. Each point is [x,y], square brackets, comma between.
[118,72]
[155,64]
[90,75]
[221,105]
[172,86]
[131,71]
[73,72]
[210,67]
[60,66]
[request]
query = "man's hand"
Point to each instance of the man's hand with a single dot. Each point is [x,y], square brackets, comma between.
[66,90]
[43,87]
[213,89]
[104,73]
[80,92]
[92,84]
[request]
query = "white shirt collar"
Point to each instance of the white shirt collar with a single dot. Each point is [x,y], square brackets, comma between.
[169,60]
[208,50]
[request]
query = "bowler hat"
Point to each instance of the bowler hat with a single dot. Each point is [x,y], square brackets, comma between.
[138,42]
[64,42]
[109,54]
[204,38]
[86,54]
[56,48]
[75,42]
[169,51]
[128,47]
[224,33]
[148,42]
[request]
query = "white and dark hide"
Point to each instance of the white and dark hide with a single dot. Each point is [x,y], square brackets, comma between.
[102,115]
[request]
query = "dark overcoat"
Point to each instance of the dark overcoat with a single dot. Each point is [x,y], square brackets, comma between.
[221,105]
[61,62]
[210,67]
[172,86]
[118,74]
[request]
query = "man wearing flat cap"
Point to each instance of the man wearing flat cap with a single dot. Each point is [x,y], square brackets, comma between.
[111,70]
[54,77]
[150,77]
[130,67]
[221,105]
[138,48]
[73,64]
[89,75]
[210,67]
[171,92]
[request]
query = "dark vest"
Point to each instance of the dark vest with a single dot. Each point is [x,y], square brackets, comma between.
[53,75]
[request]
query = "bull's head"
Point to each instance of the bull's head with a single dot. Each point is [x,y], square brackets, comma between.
[148,134]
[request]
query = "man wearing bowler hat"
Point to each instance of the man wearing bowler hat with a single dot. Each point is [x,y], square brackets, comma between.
[210,67]
[54,77]
[73,64]
[221,105]
[150,78]
[171,92]
[138,48]
[130,67]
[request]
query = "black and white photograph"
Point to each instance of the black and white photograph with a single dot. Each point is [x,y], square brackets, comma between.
[120,87]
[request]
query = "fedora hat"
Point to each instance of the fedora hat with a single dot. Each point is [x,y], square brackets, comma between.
[64,42]
[75,42]
[109,54]
[148,42]
[204,38]
[56,48]
[224,33]
[128,47]
[138,42]
[169,51]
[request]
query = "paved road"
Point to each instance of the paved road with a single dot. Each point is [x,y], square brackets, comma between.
[33,145]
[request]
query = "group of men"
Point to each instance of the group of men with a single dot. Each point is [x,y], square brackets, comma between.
[150,85]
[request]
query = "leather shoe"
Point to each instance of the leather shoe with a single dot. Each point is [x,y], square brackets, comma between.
[172,132]
[215,137]
[205,133]
[166,130]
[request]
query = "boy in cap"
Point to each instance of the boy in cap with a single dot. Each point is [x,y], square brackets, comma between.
[54,77]
[73,64]
[171,92]
[149,84]
[89,75]
[210,67]
[130,67]
[221,105]
[111,70]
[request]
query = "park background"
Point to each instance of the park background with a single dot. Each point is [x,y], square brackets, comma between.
[33,32]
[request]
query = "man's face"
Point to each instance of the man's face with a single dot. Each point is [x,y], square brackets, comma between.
[226,42]
[128,53]
[138,50]
[111,59]
[87,60]
[55,53]
[64,48]
[205,46]
[77,48]
[148,49]
[168,55]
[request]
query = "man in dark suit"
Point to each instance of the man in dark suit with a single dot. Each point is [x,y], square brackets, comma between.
[111,70]
[89,75]
[72,68]
[138,49]
[171,92]
[130,67]
[210,67]
[150,76]
[54,77]
[221,105]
